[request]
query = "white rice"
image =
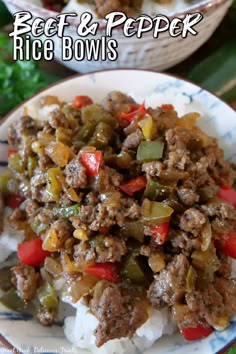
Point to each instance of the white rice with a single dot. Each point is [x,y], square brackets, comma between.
[79,331]
[10,238]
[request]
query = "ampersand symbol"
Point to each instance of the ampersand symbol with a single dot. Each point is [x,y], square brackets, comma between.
[84,29]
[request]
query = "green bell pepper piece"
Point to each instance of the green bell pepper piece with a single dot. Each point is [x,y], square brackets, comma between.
[67,212]
[131,269]
[155,213]
[150,150]
[47,296]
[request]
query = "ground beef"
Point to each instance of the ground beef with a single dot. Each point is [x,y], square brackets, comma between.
[76,175]
[153,168]
[63,229]
[133,140]
[177,138]
[1,212]
[38,183]
[178,159]
[221,171]
[105,249]
[106,180]
[25,126]
[101,216]
[192,220]
[169,285]
[44,162]
[184,242]
[117,102]
[31,207]
[17,215]
[227,289]
[110,249]
[199,172]
[84,253]
[208,303]
[187,196]
[26,281]
[225,266]
[163,120]
[46,316]
[119,316]
[58,119]
[220,209]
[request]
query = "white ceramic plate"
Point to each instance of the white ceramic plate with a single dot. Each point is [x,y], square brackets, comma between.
[218,120]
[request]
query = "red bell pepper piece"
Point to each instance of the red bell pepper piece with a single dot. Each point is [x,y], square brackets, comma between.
[198,332]
[129,116]
[228,194]
[159,233]
[227,244]
[31,252]
[134,185]
[167,107]
[91,161]
[81,101]
[11,152]
[108,271]
[104,230]
[14,201]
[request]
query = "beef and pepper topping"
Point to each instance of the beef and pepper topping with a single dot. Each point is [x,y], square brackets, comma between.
[133,207]
[104,7]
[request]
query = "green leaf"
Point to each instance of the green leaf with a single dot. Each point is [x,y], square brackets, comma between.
[232,350]
[18,79]
[5,17]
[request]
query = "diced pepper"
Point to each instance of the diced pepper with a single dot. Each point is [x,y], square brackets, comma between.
[155,189]
[155,213]
[206,260]
[52,242]
[54,187]
[147,126]
[31,165]
[159,233]
[81,101]
[228,194]
[108,271]
[16,163]
[188,121]
[227,244]
[150,150]
[58,152]
[67,212]
[4,179]
[10,152]
[91,161]
[129,116]
[195,333]
[191,279]
[132,270]
[156,261]
[11,300]
[47,296]
[104,230]
[134,185]
[31,252]
[14,201]
[167,107]
[207,192]
[123,160]
[134,229]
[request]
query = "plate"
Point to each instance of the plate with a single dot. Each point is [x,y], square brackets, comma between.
[218,120]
